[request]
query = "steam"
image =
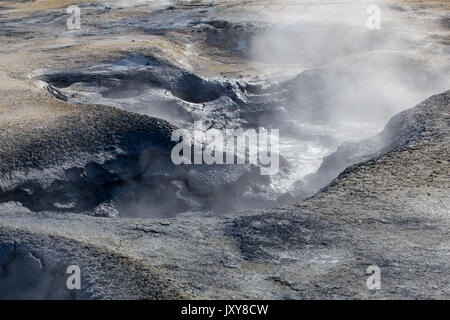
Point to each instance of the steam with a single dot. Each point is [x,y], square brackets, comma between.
[344,78]
[326,78]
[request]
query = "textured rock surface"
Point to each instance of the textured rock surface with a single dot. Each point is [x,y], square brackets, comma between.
[68,157]
[391,211]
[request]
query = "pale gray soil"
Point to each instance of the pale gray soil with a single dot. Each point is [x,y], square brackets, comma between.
[78,174]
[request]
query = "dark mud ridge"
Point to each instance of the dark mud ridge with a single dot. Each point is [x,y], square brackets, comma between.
[388,208]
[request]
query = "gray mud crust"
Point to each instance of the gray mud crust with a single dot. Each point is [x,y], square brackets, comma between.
[34,266]
[86,118]
[390,211]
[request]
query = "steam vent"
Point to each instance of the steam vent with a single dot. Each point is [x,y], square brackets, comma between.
[224,149]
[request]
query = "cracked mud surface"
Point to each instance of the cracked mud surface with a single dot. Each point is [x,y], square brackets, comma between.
[73,165]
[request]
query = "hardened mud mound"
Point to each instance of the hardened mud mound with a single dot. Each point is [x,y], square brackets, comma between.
[86,119]
[390,211]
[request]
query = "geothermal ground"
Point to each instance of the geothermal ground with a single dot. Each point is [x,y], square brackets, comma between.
[87,179]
